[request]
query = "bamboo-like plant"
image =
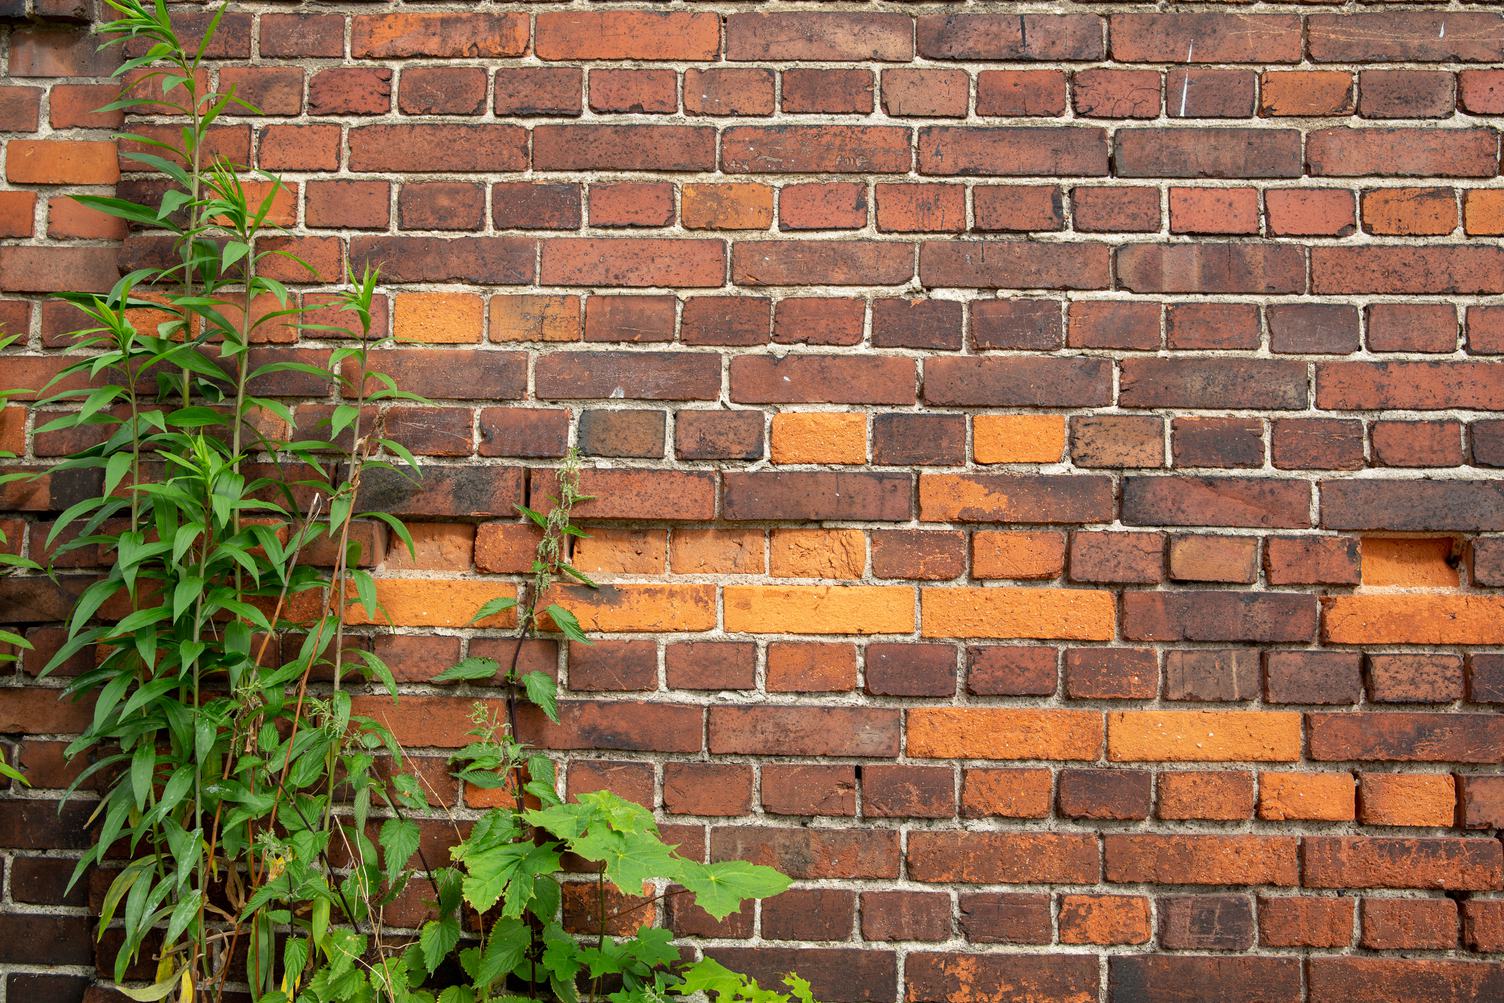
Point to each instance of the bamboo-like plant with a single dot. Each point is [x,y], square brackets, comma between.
[223,745]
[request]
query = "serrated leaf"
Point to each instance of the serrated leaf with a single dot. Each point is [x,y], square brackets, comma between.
[469,670]
[505,949]
[567,623]
[495,606]
[542,692]
[438,938]
[399,840]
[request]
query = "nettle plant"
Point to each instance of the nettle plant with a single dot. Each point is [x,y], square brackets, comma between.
[254,827]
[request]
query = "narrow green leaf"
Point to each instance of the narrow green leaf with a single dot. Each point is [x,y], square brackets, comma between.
[469,670]
[568,625]
[495,606]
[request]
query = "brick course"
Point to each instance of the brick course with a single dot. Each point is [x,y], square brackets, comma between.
[1046,463]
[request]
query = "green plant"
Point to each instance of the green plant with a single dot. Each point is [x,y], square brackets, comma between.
[247,800]
[508,872]
[11,562]
[222,766]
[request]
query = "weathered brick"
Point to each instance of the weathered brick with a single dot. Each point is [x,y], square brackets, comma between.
[1201,859]
[1402,737]
[1004,857]
[1392,862]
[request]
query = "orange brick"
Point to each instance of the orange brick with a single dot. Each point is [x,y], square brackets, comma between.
[1413,618]
[438,318]
[818,553]
[1415,563]
[819,437]
[535,318]
[12,430]
[1104,919]
[1306,92]
[18,214]
[1203,736]
[819,609]
[61,162]
[1214,210]
[1407,799]
[284,200]
[1001,554]
[437,546]
[505,547]
[1018,438]
[1311,797]
[622,552]
[1071,614]
[68,219]
[435,602]
[732,206]
[1003,733]
[1221,795]
[639,608]
[1020,793]
[717,552]
[1413,212]
[1483,212]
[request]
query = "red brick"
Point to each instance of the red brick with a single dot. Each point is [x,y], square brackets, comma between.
[627,35]
[926,93]
[538,90]
[1206,37]
[812,149]
[723,91]
[1409,923]
[384,36]
[1115,93]
[1021,93]
[829,92]
[1011,37]
[623,148]
[823,37]
[1020,151]
[823,206]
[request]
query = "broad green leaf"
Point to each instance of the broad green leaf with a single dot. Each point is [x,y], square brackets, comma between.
[505,948]
[721,888]
[438,938]
[399,840]
[185,912]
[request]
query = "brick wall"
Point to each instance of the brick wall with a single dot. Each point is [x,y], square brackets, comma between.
[1048,462]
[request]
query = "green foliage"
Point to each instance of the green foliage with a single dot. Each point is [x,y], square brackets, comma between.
[257,814]
[11,562]
[222,767]
[507,880]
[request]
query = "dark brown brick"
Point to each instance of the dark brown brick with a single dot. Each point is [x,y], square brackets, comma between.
[1206,922]
[1313,677]
[1212,675]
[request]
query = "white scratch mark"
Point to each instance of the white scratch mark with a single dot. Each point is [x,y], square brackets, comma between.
[1185,84]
